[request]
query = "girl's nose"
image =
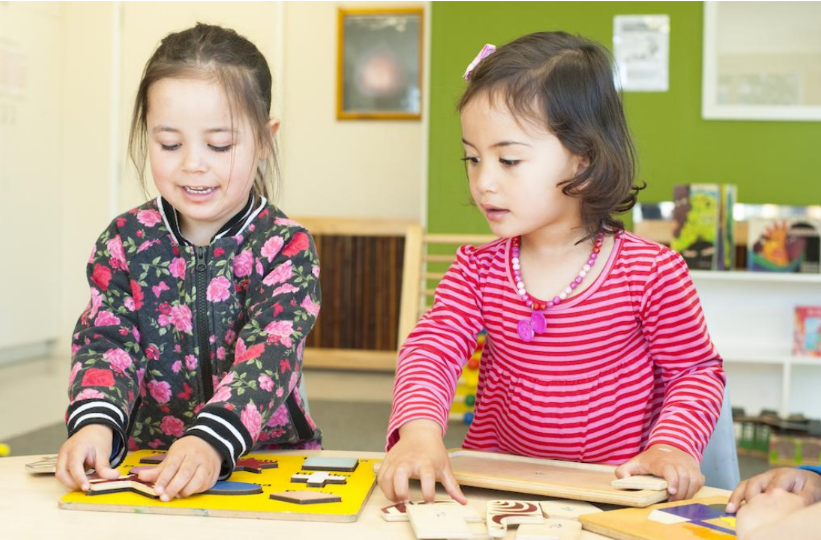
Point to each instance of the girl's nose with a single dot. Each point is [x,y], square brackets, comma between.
[484,178]
[193,161]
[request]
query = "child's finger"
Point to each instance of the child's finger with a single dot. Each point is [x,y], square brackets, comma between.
[683,490]
[200,482]
[736,497]
[427,479]
[185,472]
[669,473]
[452,486]
[167,471]
[102,466]
[401,478]
[385,480]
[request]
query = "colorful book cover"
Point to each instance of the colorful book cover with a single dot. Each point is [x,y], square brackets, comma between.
[726,251]
[784,245]
[697,214]
[808,331]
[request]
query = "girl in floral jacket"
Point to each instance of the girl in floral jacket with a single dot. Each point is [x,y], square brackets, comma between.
[201,300]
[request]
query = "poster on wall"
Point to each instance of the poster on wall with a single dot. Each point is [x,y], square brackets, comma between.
[641,47]
[379,71]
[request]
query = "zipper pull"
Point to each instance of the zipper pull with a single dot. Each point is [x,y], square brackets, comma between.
[201,251]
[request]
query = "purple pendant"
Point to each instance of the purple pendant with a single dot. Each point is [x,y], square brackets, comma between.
[538,322]
[525,330]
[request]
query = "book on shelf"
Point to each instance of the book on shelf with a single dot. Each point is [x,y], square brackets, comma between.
[703,232]
[807,331]
[784,245]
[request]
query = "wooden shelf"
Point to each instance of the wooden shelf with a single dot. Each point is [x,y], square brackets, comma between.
[762,277]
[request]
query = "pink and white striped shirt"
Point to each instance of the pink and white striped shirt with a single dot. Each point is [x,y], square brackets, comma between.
[623,365]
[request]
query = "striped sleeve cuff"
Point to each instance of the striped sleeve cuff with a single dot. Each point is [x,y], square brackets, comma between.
[89,412]
[223,430]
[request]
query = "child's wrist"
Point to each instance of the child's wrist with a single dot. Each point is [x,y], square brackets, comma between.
[422,426]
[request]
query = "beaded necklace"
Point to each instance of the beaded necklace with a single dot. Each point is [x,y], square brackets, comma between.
[536,324]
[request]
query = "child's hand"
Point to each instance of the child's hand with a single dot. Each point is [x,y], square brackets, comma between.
[420,453]
[805,484]
[768,508]
[191,466]
[89,447]
[679,468]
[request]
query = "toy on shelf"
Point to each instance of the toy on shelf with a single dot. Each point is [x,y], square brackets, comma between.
[793,441]
[465,398]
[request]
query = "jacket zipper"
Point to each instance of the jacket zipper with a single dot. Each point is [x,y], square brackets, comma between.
[202,324]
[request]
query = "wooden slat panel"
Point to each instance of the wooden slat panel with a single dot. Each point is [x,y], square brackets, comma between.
[349,359]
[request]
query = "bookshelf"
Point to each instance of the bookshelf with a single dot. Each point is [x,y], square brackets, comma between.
[750,316]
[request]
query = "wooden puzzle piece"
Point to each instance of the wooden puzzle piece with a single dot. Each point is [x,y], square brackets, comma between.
[129,482]
[500,514]
[305,497]
[225,487]
[250,465]
[399,511]
[336,464]
[46,465]
[318,479]
[640,482]
[552,529]
[442,520]
[255,465]
[566,509]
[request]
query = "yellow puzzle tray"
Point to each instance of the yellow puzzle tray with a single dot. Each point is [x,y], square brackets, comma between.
[354,493]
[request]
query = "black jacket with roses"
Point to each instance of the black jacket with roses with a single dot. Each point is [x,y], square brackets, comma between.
[204,341]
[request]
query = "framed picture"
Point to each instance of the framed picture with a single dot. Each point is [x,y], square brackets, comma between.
[379,67]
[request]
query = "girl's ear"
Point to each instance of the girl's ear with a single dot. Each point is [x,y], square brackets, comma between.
[582,163]
[273,126]
[271,129]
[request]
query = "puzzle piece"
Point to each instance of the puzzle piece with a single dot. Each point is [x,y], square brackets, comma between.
[46,465]
[399,511]
[224,487]
[566,509]
[500,514]
[640,482]
[305,497]
[129,482]
[443,521]
[318,479]
[712,517]
[336,464]
[250,465]
[255,466]
[552,529]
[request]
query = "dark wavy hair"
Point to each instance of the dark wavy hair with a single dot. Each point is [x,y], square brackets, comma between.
[221,55]
[565,83]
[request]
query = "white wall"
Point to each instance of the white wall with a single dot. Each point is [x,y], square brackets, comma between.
[371,168]
[330,167]
[30,124]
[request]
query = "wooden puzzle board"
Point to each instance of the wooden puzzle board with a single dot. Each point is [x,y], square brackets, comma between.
[694,519]
[551,478]
[354,494]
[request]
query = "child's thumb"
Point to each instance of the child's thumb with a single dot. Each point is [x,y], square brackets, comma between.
[629,469]
[102,466]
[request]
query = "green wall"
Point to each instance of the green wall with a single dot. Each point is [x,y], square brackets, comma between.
[771,162]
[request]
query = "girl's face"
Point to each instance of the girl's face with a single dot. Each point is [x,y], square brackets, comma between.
[201,163]
[514,172]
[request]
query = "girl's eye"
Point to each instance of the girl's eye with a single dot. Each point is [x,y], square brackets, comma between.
[473,160]
[509,162]
[169,147]
[219,148]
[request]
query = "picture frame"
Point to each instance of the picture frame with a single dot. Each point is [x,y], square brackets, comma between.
[379,64]
[760,61]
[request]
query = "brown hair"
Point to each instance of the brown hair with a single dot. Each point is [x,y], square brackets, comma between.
[566,82]
[232,61]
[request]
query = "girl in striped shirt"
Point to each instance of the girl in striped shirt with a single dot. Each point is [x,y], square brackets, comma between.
[597,349]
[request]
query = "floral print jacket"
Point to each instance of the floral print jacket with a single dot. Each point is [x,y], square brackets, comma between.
[204,341]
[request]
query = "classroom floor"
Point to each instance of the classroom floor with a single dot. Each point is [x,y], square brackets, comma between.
[336,398]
